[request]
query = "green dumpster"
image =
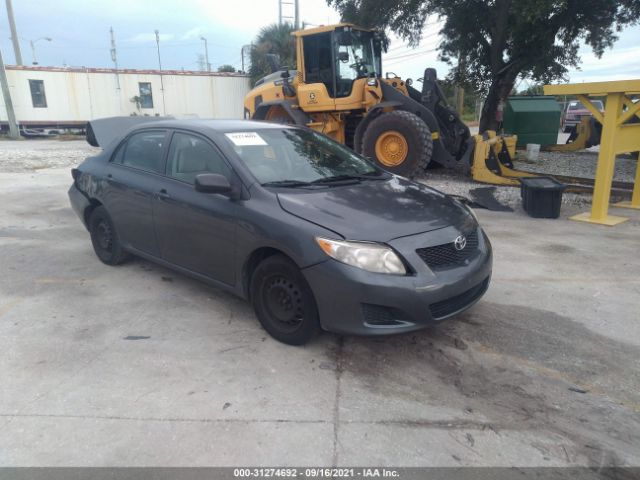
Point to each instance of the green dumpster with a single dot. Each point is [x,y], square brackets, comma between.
[534,119]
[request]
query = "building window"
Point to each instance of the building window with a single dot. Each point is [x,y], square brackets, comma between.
[146,97]
[38,97]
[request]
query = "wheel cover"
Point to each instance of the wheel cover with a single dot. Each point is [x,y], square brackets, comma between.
[104,236]
[282,299]
[391,148]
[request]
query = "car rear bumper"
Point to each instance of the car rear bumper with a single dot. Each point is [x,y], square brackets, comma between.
[353,301]
[79,202]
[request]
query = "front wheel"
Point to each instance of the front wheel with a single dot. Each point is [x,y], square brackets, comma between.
[283,301]
[399,142]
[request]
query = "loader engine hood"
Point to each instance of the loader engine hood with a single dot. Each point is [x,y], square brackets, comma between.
[375,210]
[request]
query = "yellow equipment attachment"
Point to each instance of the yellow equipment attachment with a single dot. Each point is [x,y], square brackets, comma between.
[493,160]
[587,135]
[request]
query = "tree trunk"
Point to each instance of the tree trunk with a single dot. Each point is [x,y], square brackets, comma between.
[499,91]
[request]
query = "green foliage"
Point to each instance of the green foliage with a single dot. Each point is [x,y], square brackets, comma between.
[492,43]
[272,39]
[226,69]
[537,89]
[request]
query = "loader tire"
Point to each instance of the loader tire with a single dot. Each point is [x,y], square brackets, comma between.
[400,142]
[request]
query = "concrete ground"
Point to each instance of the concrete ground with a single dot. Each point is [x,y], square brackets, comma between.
[137,365]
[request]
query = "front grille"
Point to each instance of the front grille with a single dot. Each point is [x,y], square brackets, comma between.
[446,256]
[451,305]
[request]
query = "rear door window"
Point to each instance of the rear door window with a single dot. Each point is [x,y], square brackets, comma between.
[144,151]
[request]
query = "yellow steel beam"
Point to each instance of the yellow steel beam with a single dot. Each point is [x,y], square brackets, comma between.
[594,88]
[632,110]
[606,162]
[627,138]
[589,106]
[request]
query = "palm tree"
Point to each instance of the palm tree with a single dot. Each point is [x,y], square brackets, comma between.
[272,39]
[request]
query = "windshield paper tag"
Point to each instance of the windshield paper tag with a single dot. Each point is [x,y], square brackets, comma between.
[246,139]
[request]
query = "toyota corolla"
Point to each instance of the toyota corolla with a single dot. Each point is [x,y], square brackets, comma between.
[315,236]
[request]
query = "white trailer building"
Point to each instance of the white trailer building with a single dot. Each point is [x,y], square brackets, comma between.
[69,97]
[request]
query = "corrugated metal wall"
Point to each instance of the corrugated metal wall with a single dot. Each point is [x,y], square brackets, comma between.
[77,96]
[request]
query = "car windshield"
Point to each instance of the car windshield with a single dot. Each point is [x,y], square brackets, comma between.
[291,156]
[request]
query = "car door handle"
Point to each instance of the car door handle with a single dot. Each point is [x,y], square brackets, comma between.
[163,194]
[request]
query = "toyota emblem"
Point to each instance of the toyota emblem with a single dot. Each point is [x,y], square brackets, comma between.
[460,242]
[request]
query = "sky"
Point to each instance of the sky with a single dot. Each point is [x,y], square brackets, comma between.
[79,32]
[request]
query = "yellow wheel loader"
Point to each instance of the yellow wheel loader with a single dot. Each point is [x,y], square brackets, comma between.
[338,89]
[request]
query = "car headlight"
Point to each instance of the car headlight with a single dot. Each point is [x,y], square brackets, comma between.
[372,257]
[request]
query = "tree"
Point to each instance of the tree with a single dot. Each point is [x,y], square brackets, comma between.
[272,39]
[492,43]
[226,68]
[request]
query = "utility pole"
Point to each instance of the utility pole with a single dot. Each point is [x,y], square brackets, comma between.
[164,107]
[206,53]
[296,22]
[14,33]
[114,57]
[6,94]
[243,53]
[282,17]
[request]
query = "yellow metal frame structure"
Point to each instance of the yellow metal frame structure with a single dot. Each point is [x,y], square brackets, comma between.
[618,136]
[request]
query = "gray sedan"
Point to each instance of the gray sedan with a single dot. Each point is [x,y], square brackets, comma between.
[312,234]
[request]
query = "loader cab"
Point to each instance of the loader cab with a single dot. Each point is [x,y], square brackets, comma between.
[333,58]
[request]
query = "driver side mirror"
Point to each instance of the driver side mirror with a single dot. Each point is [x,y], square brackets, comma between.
[212,183]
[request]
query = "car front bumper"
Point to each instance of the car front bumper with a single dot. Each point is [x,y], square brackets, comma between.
[356,302]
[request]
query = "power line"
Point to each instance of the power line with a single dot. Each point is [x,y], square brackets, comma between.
[404,58]
[407,46]
[412,54]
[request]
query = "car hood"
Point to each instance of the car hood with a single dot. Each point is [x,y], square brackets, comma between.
[375,210]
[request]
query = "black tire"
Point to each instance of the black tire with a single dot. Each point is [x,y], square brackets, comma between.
[104,238]
[283,301]
[416,134]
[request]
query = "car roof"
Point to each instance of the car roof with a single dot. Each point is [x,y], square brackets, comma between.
[211,125]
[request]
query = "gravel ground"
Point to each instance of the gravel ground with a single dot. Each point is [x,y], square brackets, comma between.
[31,155]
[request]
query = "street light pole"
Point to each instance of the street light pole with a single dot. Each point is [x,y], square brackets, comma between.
[33,48]
[164,107]
[14,33]
[206,53]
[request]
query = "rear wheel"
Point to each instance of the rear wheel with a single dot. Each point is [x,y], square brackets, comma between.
[104,238]
[399,142]
[283,301]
